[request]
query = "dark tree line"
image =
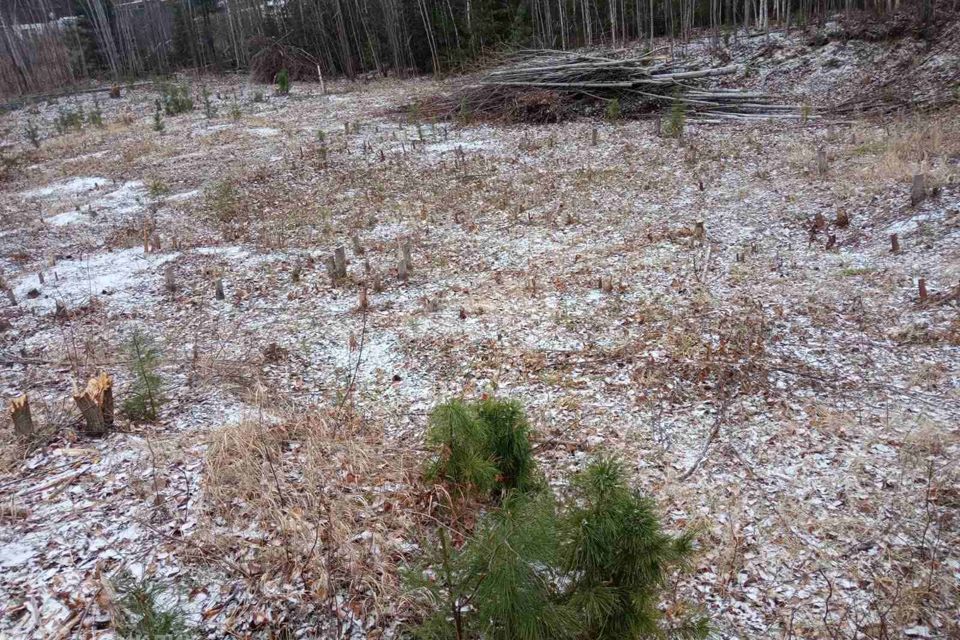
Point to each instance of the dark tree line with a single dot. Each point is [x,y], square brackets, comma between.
[130,38]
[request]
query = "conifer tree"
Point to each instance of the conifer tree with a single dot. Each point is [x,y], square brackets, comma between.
[146,394]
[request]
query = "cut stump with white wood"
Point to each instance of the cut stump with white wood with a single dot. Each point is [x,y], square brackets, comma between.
[96,405]
[20,414]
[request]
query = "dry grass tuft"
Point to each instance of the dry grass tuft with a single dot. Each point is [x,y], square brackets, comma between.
[318,502]
[928,143]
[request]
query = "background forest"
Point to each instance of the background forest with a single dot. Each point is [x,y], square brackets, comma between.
[51,43]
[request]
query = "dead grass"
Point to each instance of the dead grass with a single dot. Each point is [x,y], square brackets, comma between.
[928,143]
[315,501]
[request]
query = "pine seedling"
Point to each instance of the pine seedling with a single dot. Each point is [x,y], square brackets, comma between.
[595,568]
[508,443]
[501,584]
[463,458]
[158,116]
[208,109]
[612,111]
[676,120]
[95,117]
[483,447]
[138,614]
[32,133]
[283,82]
[145,396]
[176,99]
[617,558]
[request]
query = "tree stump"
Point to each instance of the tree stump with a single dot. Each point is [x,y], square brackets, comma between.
[894,243]
[922,289]
[331,266]
[594,137]
[357,247]
[405,254]
[843,219]
[169,281]
[96,405]
[918,192]
[822,165]
[831,241]
[20,413]
[218,289]
[699,231]
[340,262]
[364,302]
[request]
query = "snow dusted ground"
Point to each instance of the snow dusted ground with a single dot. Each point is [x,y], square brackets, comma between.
[827,495]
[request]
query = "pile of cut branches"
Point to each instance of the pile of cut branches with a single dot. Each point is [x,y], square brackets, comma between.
[550,86]
[268,56]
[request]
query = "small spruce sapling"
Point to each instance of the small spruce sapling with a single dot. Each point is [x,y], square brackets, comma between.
[283,82]
[145,396]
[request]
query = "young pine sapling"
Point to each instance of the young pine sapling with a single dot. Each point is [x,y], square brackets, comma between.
[283,82]
[146,394]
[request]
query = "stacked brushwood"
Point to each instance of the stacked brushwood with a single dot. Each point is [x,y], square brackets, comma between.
[268,56]
[549,86]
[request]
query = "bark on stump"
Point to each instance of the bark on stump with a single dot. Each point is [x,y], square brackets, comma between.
[918,192]
[96,405]
[22,420]
[169,281]
[822,165]
[340,262]
[331,266]
[405,255]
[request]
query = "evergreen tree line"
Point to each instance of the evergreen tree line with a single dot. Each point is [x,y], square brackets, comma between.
[132,38]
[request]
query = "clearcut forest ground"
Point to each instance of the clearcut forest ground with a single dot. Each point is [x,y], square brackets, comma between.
[799,404]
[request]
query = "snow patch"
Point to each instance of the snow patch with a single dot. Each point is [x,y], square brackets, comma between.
[71,187]
[122,276]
